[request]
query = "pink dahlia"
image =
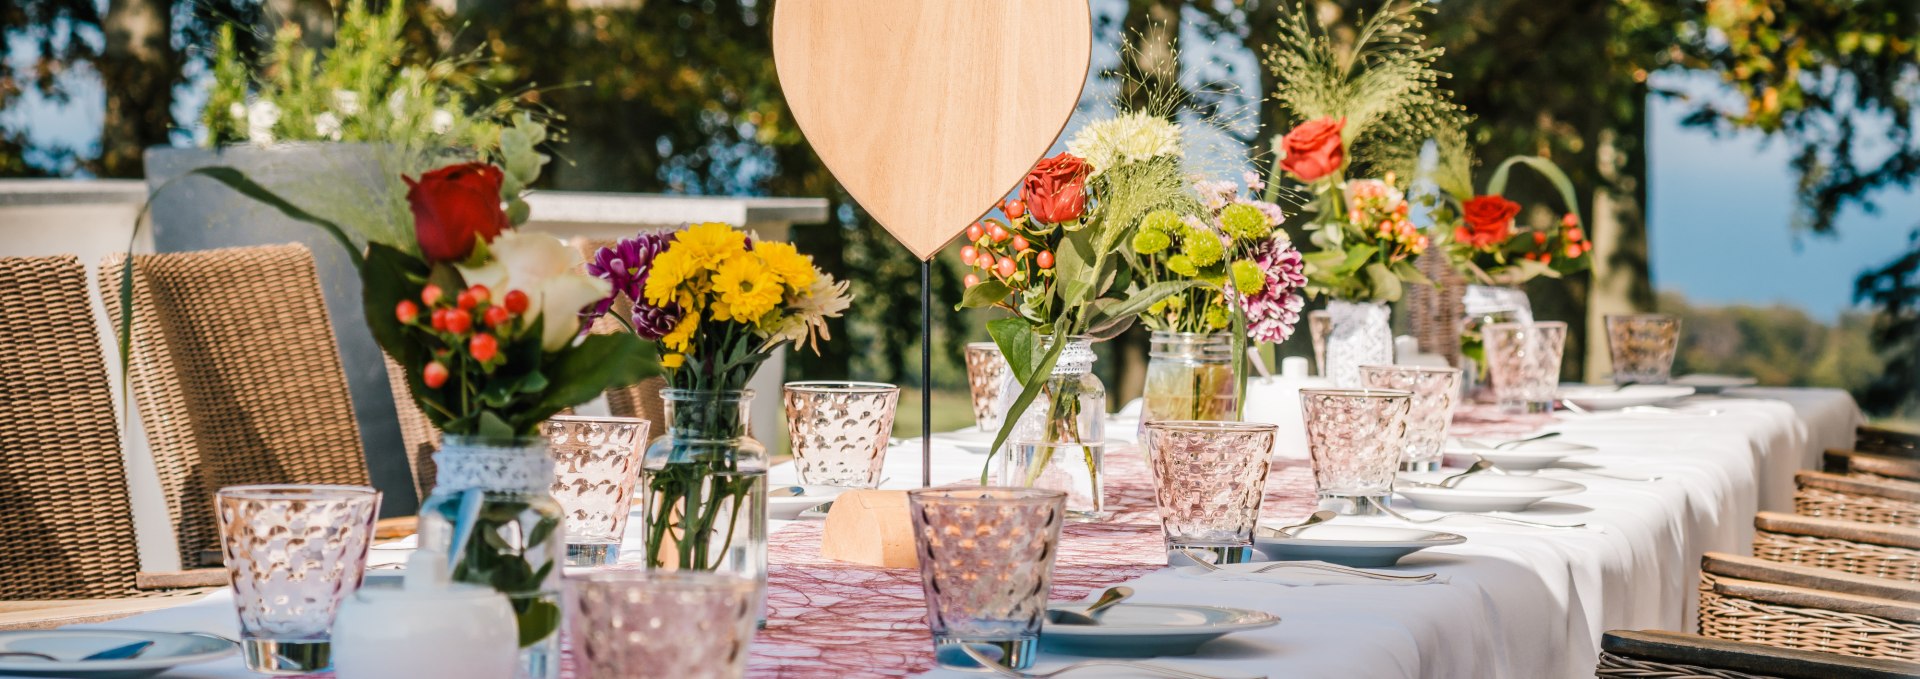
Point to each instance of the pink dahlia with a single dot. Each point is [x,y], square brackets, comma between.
[1275,309]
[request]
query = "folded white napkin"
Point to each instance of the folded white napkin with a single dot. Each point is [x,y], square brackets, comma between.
[1296,575]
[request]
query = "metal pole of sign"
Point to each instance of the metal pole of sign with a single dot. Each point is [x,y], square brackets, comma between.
[926,373]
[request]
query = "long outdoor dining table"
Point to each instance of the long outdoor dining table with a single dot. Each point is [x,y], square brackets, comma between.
[1511,601]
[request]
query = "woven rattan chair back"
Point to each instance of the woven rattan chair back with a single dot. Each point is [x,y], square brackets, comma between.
[237,377]
[417,432]
[1672,655]
[1786,616]
[1883,441]
[1860,499]
[1435,310]
[1861,548]
[1871,465]
[65,523]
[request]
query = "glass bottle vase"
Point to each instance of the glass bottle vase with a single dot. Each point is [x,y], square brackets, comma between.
[1481,306]
[493,514]
[705,485]
[1189,377]
[1361,335]
[1058,443]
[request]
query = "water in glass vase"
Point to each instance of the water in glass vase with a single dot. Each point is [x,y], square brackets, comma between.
[1070,467]
[705,486]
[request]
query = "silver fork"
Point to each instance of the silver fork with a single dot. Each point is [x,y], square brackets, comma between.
[1209,567]
[995,667]
[1557,526]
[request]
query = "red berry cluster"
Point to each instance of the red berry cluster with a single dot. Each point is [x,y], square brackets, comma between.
[1573,239]
[1003,250]
[453,321]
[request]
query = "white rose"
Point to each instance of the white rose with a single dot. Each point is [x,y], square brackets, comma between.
[549,272]
[327,126]
[442,121]
[261,117]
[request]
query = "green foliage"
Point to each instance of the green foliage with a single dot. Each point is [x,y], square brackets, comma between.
[1895,288]
[1778,345]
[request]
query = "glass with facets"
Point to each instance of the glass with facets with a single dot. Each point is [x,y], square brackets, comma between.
[1643,346]
[839,430]
[293,553]
[986,372]
[1435,391]
[1523,362]
[1208,480]
[986,563]
[679,624]
[1354,437]
[596,464]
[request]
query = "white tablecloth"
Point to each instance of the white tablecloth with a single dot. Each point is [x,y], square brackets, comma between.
[1520,602]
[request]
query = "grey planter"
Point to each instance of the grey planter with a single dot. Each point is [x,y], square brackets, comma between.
[342,182]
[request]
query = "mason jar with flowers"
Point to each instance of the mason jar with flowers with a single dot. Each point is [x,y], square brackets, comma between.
[716,303]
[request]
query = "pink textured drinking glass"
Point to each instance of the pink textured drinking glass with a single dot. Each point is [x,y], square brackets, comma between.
[596,463]
[1435,391]
[1319,325]
[986,562]
[1208,480]
[839,430]
[679,624]
[1643,346]
[293,554]
[1523,362]
[1355,437]
[986,370]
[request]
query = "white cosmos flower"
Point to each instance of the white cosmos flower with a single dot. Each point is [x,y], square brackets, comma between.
[261,117]
[327,126]
[549,271]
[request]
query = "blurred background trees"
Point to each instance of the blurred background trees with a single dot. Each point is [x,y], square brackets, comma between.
[680,96]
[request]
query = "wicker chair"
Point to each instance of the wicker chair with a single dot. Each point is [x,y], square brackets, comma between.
[64,517]
[1860,499]
[1672,655]
[1434,311]
[237,376]
[1816,609]
[1871,465]
[1860,548]
[417,433]
[1882,441]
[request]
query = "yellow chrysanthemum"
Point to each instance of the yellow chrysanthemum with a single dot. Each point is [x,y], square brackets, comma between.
[786,262]
[669,270]
[682,335]
[744,290]
[673,360]
[707,245]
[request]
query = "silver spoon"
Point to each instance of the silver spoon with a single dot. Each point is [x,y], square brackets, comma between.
[1318,517]
[1557,526]
[1479,466]
[1521,442]
[993,665]
[1091,616]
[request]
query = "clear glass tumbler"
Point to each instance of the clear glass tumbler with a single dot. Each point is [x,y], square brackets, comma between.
[986,561]
[1523,362]
[678,624]
[1208,480]
[1319,323]
[596,462]
[1643,346]
[293,554]
[839,430]
[1355,437]
[1435,391]
[986,371]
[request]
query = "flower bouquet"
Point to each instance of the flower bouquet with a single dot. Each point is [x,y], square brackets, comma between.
[716,303]
[1055,265]
[1243,261]
[485,322]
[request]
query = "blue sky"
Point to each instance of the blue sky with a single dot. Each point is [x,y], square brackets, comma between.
[1720,214]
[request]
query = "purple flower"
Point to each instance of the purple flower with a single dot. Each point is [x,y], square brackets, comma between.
[1275,310]
[625,264]
[652,322]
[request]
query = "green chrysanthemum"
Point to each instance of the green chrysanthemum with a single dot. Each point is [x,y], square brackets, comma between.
[1248,279]
[1216,317]
[1149,241]
[1183,265]
[1244,222]
[1162,220]
[1202,247]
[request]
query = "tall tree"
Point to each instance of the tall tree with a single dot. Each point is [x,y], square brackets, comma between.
[138,70]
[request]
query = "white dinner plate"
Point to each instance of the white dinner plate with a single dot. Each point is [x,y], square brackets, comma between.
[1520,457]
[1350,545]
[168,650]
[1147,630]
[1483,492]
[789,508]
[1603,397]
[1714,384]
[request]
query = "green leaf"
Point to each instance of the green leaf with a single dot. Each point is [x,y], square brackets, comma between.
[579,373]
[1386,286]
[1074,269]
[238,181]
[1030,389]
[1145,297]
[1497,183]
[540,619]
[1239,361]
[1411,274]
[986,294]
[491,426]
[1017,343]
[1357,258]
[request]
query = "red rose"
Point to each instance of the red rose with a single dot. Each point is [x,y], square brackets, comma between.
[1314,149]
[1489,221]
[1056,190]
[452,206]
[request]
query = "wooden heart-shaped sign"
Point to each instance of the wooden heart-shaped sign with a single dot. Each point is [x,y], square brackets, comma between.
[929,111]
